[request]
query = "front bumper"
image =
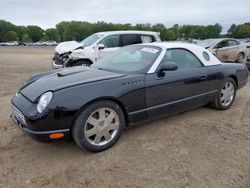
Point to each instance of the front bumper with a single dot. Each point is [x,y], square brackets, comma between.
[42,136]
[56,66]
[41,127]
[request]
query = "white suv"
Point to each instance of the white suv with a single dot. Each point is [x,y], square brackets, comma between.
[87,52]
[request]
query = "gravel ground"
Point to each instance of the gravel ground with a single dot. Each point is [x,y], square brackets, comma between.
[198,148]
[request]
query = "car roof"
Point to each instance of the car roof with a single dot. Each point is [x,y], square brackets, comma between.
[195,49]
[127,32]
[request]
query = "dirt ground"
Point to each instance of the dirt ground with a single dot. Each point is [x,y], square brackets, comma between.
[199,148]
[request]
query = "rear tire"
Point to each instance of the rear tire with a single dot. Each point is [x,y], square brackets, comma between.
[240,58]
[225,96]
[99,126]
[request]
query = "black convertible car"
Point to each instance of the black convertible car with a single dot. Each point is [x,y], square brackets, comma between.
[135,84]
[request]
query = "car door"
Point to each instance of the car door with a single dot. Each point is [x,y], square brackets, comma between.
[233,50]
[222,50]
[111,43]
[177,90]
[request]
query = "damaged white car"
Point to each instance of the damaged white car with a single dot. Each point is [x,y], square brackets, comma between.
[88,51]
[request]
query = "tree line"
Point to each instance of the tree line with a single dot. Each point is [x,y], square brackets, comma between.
[78,30]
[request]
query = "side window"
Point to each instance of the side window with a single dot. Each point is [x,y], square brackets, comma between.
[147,38]
[129,39]
[232,43]
[183,58]
[223,44]
[111,41]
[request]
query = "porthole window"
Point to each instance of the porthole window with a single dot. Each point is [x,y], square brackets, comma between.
[206,56]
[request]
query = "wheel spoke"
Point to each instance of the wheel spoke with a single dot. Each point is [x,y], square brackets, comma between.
[113,126]
[231,93]
[91,132]
[102,114]
[98,138]
[230,88]
[223,98]
[226,86]
[228,99]
[107,136]
[93,121]
[110,117]
[223,91]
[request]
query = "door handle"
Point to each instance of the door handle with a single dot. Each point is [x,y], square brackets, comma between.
[203,77]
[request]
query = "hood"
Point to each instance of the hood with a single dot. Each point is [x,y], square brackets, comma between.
[63,78]
[68,46]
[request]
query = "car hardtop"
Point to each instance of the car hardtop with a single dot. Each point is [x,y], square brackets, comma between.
[197,50]
[106,33]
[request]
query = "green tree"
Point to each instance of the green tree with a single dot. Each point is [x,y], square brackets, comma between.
[242,31]
[35,33]
[158,27]
[11,36]
[168,34]
[231,30]
[26,38]
[52,34]
[4,28]
[20,30]
[44,38]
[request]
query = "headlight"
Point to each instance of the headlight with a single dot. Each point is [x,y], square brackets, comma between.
[44,101]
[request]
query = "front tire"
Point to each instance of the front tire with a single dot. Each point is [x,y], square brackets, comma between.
[99,126]
[226,95]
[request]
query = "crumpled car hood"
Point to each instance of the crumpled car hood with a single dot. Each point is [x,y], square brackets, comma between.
[68,46]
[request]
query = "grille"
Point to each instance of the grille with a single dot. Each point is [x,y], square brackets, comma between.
[18,114]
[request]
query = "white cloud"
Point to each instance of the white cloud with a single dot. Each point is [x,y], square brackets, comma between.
[47,13]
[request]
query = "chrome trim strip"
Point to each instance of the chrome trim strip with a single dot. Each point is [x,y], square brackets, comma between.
[157,61]
[45,132]
[169,103]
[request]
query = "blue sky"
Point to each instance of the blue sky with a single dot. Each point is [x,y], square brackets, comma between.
[47,13]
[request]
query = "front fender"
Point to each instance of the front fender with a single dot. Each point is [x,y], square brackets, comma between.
[69,101]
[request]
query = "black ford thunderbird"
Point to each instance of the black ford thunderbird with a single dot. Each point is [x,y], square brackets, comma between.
[135,84]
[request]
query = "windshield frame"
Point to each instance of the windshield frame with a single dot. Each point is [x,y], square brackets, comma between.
[92,42]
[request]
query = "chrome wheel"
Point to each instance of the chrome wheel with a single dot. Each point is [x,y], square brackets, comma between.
[227,94]
[101,126]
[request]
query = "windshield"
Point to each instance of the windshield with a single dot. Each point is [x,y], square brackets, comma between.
[91,39]
[130,59]
[208,42]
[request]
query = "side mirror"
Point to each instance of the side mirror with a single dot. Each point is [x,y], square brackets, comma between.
[167,66]
[101,46]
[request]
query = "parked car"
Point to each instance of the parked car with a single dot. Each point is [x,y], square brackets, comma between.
[87,52]
[227,49]
[134,84]
[50,43]
[11,43]
[39,43]
[2,43]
